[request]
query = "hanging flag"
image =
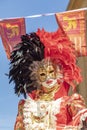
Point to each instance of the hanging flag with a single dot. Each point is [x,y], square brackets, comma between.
[11,31]
[73,23]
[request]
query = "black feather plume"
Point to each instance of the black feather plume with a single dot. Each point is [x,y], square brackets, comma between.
[30,49]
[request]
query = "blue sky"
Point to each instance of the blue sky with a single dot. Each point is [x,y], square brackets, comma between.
[22,8]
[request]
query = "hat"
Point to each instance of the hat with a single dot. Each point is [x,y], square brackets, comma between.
[35,47]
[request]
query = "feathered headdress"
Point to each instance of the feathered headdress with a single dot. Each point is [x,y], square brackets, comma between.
[36,47]
[60,48]
[30,49]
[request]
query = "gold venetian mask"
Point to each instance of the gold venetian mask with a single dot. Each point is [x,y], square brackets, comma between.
[45,73]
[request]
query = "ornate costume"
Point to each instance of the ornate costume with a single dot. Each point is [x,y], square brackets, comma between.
[43,67]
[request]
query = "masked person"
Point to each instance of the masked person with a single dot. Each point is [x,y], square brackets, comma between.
[43,67]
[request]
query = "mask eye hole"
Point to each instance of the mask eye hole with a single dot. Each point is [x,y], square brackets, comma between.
[42,74]
[51,71]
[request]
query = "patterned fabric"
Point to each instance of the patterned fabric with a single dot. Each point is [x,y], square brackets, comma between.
[58,109]
[73,24]
[11,30]
[19,125]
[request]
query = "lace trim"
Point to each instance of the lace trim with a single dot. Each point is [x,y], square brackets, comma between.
[40,115]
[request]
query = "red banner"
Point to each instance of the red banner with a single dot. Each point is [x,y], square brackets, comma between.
[73,23]
[11,31]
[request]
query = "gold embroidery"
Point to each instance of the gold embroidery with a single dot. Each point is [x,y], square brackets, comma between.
[72,24]
[47,94]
